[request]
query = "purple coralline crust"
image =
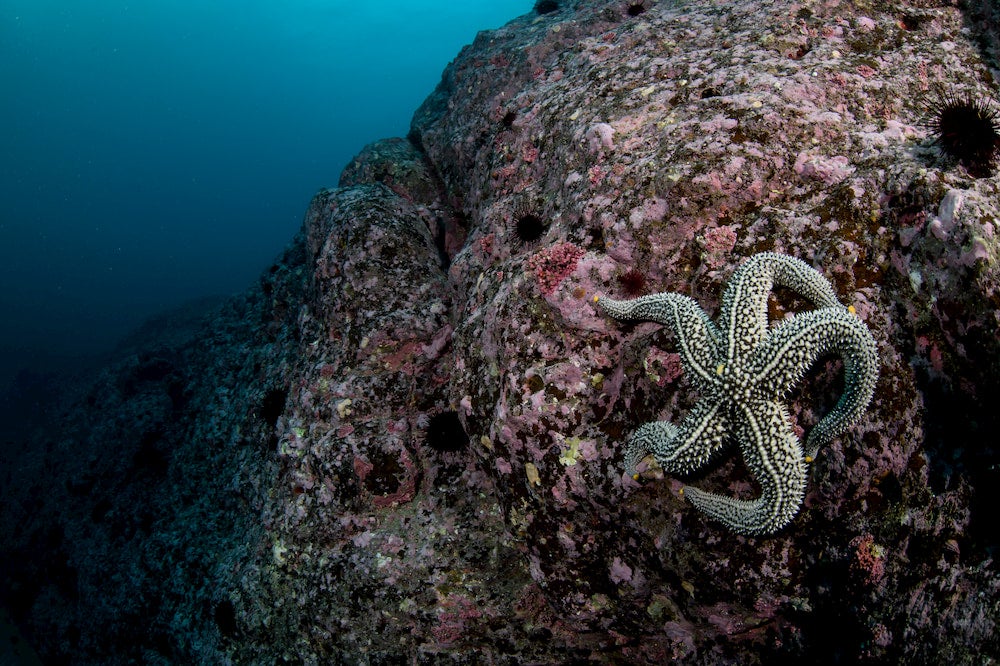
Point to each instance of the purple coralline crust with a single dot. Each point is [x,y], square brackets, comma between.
[307,505]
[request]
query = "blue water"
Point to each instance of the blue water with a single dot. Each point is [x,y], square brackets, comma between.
[155,151]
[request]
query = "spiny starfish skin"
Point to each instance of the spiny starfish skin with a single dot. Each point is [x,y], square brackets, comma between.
[743,368]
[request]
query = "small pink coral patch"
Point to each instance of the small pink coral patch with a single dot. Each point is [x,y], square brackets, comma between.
[869,559]
[486,244]
[662,366]
[719,243]
[554,264]
[362,467]
[620,572]
[827,170]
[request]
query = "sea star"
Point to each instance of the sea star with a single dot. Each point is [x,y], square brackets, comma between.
[742,368]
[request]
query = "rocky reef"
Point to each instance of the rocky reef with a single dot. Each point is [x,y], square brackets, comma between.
[404,445]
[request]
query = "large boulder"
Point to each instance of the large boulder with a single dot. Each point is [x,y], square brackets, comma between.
[405,445]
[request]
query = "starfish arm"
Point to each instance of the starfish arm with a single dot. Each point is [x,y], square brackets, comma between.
[801,278]
[774,457]
[644,440]
[697,336]
[744,304]
[680,449]
[794,345]
[860,376]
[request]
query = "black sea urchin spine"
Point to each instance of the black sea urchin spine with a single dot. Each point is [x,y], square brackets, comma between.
[968,130]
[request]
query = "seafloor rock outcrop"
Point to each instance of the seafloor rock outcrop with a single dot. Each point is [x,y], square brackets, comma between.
[405,443]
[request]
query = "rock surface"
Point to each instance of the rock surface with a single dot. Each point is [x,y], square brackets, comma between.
[404,444]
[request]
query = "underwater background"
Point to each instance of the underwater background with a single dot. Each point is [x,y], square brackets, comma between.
[161,151]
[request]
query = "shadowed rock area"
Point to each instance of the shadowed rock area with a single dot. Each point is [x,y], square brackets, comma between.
[404,444]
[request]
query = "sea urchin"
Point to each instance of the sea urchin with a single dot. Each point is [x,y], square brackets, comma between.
[967,129]
[632,283]
[546,6]
[529,228]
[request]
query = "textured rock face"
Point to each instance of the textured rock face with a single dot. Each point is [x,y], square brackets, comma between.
[674,144]
[407,442]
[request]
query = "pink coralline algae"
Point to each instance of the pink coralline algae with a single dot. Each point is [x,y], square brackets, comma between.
[826,169]
[869,558]
[620,572]
[600,137]
[554,264]
[663,367]
[718,243]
